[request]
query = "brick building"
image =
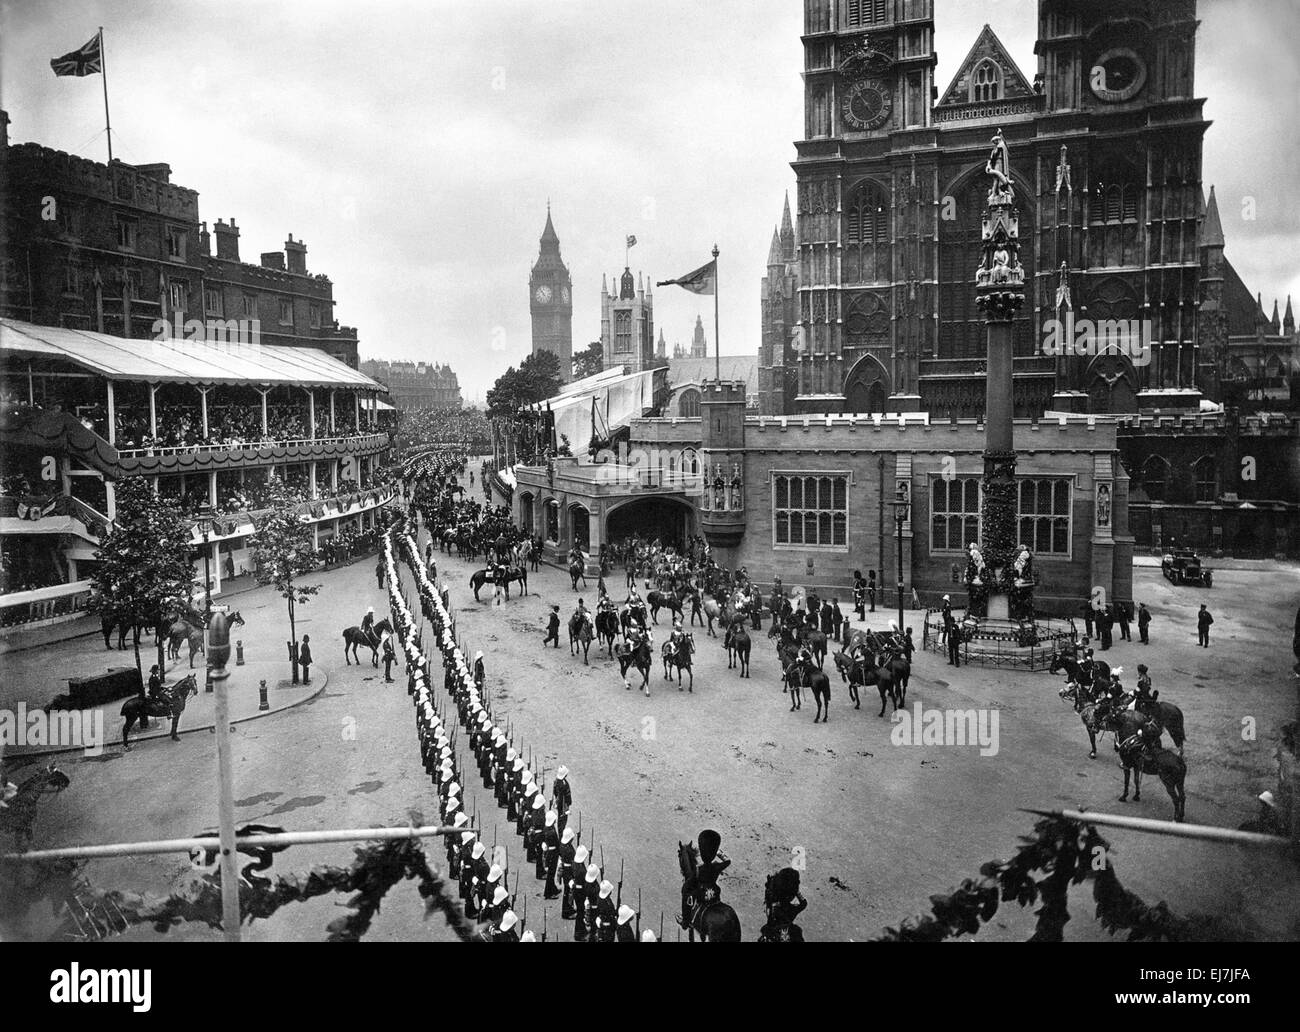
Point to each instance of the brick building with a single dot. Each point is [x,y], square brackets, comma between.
[115,248]
[416,385]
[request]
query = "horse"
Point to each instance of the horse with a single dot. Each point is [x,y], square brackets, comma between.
[634,612]
[501,576]
[712,612]
[861,673]
[580,636]
[607,629]
[172,700]
[578,571]
[680,657]
[19,814]
[737,644]
[1092,712]
[713,922]
[1167,717]
[639,658]
[816,641]
[658,600]
[372,639]
[1132,734]
[821,689]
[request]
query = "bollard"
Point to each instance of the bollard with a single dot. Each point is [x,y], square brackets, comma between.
[239,653]
[262,704]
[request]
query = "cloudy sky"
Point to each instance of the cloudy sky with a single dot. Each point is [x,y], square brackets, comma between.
[414,143]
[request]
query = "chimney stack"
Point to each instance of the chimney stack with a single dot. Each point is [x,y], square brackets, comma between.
[273,260]
[295,252]
[205,240]
[227,240]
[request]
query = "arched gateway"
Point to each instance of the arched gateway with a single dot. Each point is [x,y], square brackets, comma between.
[671,520]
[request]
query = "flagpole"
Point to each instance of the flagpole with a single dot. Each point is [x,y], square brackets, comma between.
[717,340]
[103,71]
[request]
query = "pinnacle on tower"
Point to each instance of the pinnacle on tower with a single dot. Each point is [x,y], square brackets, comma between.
[1212,228]
[550,239]
[774,252]
[787,231]
[1275,322]
[1288,320]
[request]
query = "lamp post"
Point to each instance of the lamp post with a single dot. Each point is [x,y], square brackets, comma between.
[901,504]
[205,518]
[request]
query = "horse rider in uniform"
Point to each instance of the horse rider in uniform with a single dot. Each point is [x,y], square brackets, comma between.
[368,622]
[784,904]
[1144,696]
[677,639]
[704,891]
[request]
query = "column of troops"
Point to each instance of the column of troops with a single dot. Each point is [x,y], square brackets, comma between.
[552,846]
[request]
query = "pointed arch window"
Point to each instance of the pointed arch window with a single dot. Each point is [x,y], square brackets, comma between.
[1155,478]
[866,236]
[1206,474]
[986,82]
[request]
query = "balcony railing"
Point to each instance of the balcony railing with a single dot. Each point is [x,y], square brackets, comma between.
[198,449]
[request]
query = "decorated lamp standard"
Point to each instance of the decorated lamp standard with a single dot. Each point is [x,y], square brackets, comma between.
[901,503]
[205,519]
[999,292]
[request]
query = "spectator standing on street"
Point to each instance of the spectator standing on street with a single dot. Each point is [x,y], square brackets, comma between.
[1087,618]
[304,659]
[954,642]
[1203,621]
[947,619]
[1122,615]
[1144,621]
[1105,624]
[553,628]
[871,590]
[379,573]
[390,657]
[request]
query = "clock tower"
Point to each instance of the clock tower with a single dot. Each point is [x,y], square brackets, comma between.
[550,301]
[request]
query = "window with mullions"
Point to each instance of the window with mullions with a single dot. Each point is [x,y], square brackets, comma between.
[1045,516]
[810,510]
[954,513]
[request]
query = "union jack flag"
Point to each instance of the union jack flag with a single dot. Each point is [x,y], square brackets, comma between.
[87,60]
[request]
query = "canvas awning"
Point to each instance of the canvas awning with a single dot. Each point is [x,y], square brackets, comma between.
[179,361]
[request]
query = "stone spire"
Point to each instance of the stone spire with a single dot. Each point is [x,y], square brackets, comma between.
[774,252]
[787,231]
[1212,228]
[550,239]
[1276,322]
[1288,320]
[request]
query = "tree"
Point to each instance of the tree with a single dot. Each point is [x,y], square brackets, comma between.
[536,379]
[146,569]
[282,551]
[589,361]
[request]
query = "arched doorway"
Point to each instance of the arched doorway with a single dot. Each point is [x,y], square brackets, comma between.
[553,521]
[867,387]
[580,527]
[526,512]
[671,520]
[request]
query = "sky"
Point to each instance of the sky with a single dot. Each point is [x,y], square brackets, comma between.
[414,144]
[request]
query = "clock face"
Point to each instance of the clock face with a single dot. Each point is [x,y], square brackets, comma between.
[543,294]
[867,104]
[1117,75]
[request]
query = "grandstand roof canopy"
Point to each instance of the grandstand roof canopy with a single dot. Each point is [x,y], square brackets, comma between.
[179,361]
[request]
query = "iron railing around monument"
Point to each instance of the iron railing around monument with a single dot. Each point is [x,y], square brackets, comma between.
[1017,644]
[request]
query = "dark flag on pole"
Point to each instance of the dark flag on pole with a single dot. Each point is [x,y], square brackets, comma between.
[702,281]
[87,60]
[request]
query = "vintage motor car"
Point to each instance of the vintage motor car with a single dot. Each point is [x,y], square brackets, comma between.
[1183,566]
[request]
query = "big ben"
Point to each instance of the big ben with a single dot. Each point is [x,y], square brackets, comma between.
[550,300]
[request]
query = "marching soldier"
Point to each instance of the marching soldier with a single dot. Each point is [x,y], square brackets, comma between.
[491,882]
[606,913]
[562,796]
[497,906]
[533,829]
[575,891]
[508,929]
[625,930]
[584,898]
[548,854]
[480,676]
[566,859]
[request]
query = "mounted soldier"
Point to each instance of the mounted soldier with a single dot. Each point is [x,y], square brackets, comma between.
[703,891]
[784,903]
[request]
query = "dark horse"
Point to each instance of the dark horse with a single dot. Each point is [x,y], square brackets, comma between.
[580,636]
[171,701]
[501,576]
[680,657]
[658,600]
[738,645]
[578,570]
[713,922]
[1093,712]
[372,639]
[639,658]
[1138,743]
[607,629]
[861,673]
[20,813]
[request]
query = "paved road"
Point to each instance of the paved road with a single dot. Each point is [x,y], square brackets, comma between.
[879,827]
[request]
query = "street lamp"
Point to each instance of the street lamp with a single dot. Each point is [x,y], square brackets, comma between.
[901,504]
[205,518]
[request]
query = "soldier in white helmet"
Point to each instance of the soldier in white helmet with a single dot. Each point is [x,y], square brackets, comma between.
[548,853]
[606,914]
[648,936]
[497,906]
[562,796]
[533,829]
[508,929]
[573,857]
[585,895]
[625,930]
